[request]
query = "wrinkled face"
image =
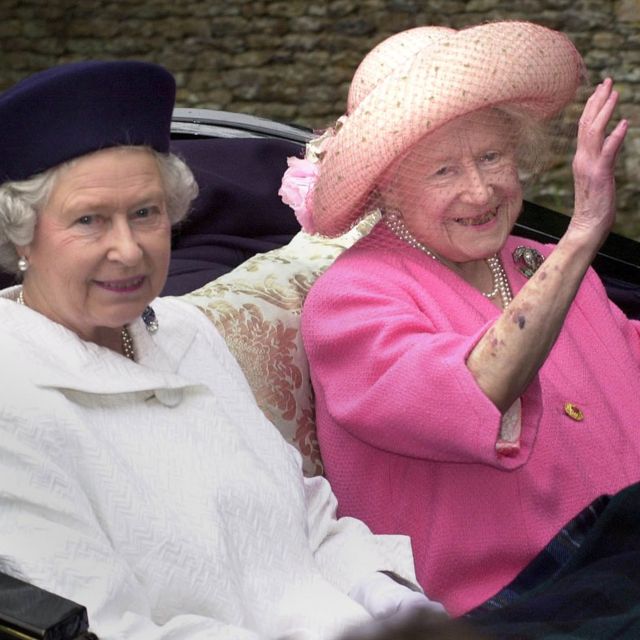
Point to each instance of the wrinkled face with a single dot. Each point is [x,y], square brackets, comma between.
[101,247]
[458,189]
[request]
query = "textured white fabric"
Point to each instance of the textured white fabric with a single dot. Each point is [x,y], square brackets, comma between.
[383,597]
[157,494]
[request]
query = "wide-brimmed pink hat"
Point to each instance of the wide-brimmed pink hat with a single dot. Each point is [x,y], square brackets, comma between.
[420,79]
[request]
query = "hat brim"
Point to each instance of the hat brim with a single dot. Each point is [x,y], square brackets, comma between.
[502,63]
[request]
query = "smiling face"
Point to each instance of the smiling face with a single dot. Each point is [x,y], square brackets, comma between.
[458,189]
[101,247]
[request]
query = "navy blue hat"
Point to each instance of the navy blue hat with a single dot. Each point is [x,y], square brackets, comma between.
[74,109]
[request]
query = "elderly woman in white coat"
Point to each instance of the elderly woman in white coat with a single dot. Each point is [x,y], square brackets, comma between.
[137,474]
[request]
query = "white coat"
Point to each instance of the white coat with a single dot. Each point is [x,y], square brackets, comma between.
[156,493]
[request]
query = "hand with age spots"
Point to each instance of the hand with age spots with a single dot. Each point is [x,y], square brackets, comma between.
[594,165]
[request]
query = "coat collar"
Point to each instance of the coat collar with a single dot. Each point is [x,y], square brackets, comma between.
[58,358]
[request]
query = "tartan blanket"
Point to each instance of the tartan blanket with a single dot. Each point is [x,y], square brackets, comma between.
[585,584]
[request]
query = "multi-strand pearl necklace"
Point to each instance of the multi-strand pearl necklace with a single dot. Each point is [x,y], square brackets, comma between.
[127,341]
[127,344]
[500,281]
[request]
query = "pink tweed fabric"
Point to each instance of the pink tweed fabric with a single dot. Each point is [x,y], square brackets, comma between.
[408,439]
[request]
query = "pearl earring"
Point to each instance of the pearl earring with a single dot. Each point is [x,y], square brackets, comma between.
[23,264]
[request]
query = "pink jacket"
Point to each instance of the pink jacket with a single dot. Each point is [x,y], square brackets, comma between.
[409,440]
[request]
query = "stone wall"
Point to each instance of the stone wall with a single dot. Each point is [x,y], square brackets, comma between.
[292,60]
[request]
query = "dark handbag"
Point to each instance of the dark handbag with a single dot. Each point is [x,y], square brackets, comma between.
[28,612]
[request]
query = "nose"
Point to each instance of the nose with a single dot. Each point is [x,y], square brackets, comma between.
[476,189]
[123,244]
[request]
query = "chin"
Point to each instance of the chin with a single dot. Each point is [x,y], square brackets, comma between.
[495,243]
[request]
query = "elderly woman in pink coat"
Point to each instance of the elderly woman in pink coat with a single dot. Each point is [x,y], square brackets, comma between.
[474,389]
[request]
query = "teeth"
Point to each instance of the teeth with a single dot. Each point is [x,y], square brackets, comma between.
[122,285]
[481,219]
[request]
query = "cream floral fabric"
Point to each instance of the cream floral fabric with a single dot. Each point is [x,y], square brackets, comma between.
[256,307]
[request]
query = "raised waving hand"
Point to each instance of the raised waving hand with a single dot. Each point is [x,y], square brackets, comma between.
[594,164]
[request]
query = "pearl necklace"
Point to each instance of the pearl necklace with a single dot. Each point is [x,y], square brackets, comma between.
[500,281]
[127,341]
[127,344]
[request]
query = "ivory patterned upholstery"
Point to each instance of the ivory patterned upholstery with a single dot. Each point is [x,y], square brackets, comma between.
[256,308]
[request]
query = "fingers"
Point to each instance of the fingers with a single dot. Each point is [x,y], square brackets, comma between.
[594,163]
[597,113]
[597,99]
[614,140]
[596,116]
[602,118]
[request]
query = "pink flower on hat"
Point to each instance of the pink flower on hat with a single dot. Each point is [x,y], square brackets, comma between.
[296,189]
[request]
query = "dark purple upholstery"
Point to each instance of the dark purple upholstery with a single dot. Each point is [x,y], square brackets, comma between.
[625,295]
[6,280]
[238,212]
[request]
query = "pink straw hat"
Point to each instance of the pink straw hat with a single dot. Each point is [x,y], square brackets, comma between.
[416,81]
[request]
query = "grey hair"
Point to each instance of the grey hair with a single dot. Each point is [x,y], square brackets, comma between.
[180,185]
[21,202]
[534,142]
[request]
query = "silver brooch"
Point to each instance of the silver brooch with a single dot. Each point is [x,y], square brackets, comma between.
[527,260]
[150,320]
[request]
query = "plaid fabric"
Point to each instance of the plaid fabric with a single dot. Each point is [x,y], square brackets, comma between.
[585,584]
